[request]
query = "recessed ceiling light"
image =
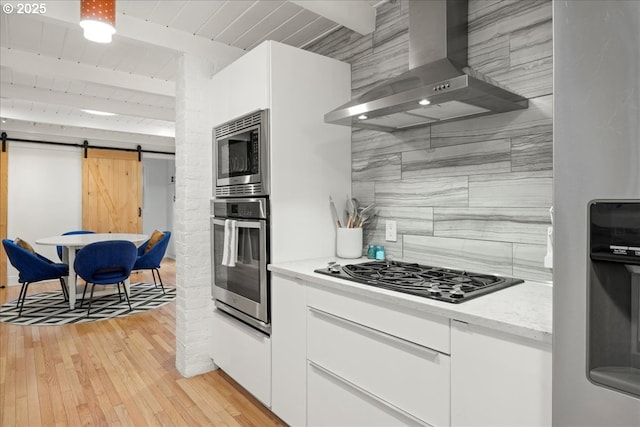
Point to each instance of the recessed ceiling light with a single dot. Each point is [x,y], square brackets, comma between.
[363,117]
[424,102]
[99,113]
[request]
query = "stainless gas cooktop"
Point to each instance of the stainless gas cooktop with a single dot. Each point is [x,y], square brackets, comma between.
[442,284]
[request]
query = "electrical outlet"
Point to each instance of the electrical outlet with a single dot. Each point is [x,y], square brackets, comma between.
[391,231]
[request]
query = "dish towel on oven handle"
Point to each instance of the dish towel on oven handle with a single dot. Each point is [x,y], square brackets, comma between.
[230,245]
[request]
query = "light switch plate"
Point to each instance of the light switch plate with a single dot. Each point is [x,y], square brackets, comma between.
[391,234]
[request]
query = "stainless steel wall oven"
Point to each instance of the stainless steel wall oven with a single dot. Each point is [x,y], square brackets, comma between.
[240,254]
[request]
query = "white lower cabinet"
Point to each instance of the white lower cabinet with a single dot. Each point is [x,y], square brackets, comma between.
[244,354]
[498,379]
[334,402]
[289,350]
[346,360]
[376,371]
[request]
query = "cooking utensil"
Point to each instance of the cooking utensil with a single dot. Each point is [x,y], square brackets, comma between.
[365,214]
[334,213]
[350,211]
[356,207]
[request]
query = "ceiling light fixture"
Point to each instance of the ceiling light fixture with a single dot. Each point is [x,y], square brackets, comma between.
[363,117]
[98,19]
[424,102]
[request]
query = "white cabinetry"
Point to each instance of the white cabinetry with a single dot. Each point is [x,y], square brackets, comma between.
[336,402]
[309,160]
[351,359]
[498,379]
[289,349]
[244,354]
[368,361]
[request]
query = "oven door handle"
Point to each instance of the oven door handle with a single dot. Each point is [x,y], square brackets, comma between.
[217,221]
[240,223]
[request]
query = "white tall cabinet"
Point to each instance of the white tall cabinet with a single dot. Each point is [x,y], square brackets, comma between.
[309,161]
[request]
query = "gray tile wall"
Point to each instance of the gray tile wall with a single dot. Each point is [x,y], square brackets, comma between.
[471,194]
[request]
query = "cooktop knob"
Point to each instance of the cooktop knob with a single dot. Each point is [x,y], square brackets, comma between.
[457,292]
[434,289]
[333,267]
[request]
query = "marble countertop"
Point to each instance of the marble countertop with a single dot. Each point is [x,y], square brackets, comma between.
[522,310]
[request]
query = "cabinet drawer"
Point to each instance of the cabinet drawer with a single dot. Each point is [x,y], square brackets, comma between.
[334,402]
[413,378]
[244,354]
[421,328]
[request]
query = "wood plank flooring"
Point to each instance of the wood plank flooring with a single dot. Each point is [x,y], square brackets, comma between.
[118,372]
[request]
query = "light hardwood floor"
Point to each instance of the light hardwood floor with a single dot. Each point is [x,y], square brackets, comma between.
[118,372]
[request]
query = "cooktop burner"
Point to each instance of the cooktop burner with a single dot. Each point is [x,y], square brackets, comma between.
[430,282]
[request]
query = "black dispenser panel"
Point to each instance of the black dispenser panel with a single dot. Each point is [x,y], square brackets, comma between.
[615,231]
[613,296]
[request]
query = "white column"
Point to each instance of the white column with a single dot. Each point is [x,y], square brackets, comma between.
[194,309]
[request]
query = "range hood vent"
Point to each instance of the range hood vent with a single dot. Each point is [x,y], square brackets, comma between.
[439,85]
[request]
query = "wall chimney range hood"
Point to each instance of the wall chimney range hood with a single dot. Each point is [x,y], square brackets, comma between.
[439,85]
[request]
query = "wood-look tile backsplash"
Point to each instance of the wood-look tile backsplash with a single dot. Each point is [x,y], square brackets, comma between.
[475,193]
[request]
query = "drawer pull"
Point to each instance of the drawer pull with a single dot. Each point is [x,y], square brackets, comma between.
[425,350]
[367,394]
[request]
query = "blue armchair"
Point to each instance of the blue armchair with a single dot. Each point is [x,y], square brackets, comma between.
[33,267]
[151,259]
[59,248]
[105,263]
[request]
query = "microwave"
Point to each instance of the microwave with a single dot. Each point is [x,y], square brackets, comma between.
[240,156]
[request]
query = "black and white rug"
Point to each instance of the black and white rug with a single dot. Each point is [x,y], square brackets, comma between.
[49,308]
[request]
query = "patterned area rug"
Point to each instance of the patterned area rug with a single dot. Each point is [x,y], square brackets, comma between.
[50,308]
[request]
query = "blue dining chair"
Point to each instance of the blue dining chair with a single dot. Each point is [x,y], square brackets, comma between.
[150,259]
[59,248]
[105,263]
[33,267]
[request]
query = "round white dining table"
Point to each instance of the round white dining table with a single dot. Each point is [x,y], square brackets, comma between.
[71,243]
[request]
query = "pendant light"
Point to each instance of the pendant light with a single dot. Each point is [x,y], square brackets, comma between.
[98,19]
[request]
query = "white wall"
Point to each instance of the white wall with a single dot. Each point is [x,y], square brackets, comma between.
[45,195]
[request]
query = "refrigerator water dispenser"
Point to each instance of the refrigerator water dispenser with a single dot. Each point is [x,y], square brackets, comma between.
[613,295]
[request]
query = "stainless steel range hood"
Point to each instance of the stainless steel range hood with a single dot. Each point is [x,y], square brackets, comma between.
[438,76]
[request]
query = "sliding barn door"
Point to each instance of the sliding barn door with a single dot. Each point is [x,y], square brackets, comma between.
[4,201]
[112,192]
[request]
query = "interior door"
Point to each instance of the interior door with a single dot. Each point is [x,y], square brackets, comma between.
[112,191]
[4,201]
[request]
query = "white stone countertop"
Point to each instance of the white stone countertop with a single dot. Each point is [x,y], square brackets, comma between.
[522,310]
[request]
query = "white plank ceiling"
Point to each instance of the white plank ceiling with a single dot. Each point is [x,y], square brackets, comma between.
[49,73]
